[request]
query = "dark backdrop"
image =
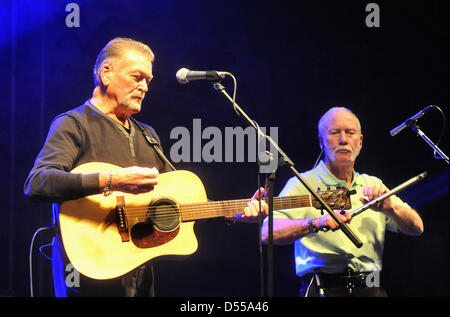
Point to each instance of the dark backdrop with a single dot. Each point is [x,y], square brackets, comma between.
[292,60]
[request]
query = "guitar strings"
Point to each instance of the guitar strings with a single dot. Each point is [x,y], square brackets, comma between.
[204,206]
[199,209]
[208,209]
[286,200]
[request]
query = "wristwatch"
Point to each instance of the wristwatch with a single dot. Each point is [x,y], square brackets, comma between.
[311,227]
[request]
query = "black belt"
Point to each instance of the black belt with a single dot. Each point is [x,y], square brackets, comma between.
[348,280]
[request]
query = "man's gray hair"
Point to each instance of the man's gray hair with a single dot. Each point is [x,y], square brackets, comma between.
[115,48]
[333,110]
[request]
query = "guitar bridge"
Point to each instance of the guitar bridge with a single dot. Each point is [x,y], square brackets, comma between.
[121,219]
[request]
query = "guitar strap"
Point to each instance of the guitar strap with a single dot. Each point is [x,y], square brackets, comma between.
[153,142]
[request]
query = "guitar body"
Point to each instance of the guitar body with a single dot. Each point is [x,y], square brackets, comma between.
[90,226]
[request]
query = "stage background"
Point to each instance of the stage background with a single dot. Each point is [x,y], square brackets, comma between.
[292,60]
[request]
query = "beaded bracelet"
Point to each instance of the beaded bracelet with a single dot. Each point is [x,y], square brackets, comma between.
[107,190]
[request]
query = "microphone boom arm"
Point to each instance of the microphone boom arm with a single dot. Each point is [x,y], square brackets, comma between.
[412,123]
[420,133]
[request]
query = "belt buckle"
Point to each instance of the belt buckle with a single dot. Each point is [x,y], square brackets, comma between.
[349,287]
[354,279]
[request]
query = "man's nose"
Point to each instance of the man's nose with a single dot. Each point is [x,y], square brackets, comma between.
[343,138]
[143,85]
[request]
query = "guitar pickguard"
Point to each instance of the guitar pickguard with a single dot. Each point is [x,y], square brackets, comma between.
[145,235]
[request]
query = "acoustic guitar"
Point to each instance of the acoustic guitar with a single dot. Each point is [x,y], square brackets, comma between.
[106,237]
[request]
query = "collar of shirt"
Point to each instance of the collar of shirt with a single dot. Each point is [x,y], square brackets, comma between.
[330,180]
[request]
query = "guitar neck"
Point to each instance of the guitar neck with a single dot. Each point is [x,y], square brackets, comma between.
[213,209]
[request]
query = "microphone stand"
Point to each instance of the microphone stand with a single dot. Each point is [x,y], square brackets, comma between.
[287,161]
[413,125]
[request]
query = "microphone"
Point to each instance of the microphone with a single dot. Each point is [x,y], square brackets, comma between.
[185,75]
[408,122]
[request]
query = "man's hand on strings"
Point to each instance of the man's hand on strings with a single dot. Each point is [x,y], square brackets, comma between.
[251,212]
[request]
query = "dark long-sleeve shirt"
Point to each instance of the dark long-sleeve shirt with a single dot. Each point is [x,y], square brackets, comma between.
[82,135]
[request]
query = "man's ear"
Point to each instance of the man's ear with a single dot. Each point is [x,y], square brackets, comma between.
[320,142]
[105,74]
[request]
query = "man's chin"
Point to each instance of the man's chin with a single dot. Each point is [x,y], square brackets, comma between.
[134,111]
[138,104]
[136,107]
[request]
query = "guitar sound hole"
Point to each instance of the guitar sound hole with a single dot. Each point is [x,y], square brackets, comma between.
[164,214]
[162,225]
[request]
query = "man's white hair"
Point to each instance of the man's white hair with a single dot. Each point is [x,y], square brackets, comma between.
[324,119]
[116,48]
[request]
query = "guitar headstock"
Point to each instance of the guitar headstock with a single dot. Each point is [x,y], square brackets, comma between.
[337,199]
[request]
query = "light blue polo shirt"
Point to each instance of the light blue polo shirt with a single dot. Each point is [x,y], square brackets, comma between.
[333,252]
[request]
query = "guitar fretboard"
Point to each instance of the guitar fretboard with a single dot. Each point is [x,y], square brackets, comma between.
[212,209]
